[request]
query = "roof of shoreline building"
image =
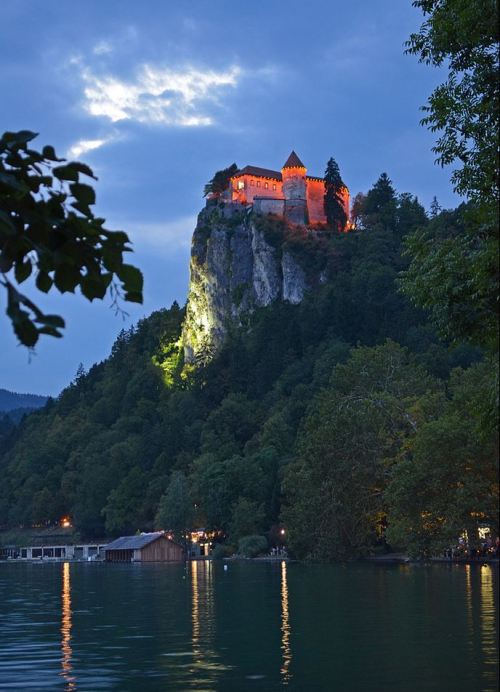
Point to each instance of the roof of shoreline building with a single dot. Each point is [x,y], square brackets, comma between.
[134,542]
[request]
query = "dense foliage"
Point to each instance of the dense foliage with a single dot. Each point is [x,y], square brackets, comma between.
[454,270]
[47,228]
[464,110]
[329,416]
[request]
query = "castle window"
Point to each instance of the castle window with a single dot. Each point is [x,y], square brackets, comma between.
[274,186]
[258,183]
[252,183]
[266,185]
[241,184]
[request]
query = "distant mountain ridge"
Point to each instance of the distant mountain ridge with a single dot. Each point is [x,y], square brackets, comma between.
[13,400]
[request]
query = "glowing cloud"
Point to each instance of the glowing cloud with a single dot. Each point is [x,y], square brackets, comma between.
[85,145]
[157,95]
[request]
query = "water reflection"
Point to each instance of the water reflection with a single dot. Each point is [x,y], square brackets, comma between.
[66,626]
[286,652]
[250,627]
[206,660]
[488,628]
[468,601]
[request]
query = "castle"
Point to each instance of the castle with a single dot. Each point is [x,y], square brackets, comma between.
[291,193]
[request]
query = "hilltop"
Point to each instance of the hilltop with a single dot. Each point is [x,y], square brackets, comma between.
[301,404]
[13,400]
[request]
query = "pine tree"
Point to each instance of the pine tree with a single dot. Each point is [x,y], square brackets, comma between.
[435,207]
[220,181]
[380,204]
[333,201]
[80,374]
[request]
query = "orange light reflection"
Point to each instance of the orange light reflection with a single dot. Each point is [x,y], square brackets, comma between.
[286,652]
[66,626]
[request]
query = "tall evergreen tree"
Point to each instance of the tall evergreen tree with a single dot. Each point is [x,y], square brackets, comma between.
[380,203]
[435,207]
[333,202]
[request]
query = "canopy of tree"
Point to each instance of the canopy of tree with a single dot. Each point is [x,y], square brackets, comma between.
[454,272]
[220,181]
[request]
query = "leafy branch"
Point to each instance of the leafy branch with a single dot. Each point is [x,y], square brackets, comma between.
[48,229]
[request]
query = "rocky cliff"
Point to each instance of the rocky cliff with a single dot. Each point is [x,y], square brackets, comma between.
[239,262]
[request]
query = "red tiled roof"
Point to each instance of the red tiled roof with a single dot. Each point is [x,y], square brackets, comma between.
[259,172]
[293,161]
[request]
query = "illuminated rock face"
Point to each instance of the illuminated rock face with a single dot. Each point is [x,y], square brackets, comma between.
[233,270]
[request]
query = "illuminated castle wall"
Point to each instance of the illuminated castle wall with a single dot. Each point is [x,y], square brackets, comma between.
[290,193]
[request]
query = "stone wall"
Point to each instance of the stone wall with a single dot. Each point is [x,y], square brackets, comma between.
[315,201]
[294,183]
[269,205]
[296,211]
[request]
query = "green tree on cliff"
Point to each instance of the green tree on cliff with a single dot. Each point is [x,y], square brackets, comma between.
[380,204]
[220,181]
[333,201]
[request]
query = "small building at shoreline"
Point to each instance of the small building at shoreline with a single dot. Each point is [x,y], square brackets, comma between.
[144,547]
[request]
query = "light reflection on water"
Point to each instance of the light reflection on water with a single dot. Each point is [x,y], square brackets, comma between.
[206,661]
[285,628]
[488,625]
[252,627]
[66,625]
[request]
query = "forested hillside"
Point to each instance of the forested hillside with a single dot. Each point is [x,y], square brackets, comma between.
[12,400]
[345,418]
[13,407]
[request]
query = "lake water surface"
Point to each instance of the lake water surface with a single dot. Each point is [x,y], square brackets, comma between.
[78,626]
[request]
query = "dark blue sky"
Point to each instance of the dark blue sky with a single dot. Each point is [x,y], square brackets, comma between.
[156,96]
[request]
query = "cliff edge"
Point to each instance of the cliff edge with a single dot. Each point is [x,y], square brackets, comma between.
[240,261]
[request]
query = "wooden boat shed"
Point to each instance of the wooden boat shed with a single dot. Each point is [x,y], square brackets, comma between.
[145,547]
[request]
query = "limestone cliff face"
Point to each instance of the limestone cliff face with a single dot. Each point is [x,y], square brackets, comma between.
[234,269]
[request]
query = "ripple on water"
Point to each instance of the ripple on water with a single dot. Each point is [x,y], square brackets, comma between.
[252,627]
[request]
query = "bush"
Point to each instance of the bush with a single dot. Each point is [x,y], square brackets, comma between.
[251,546]
[221,551]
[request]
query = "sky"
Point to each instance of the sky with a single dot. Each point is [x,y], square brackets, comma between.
[156,96]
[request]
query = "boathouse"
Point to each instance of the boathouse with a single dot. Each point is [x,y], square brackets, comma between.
[145,547]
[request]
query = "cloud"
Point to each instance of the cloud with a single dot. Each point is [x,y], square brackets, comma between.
[102,48]
[85,145]
[158,95]
[164,238]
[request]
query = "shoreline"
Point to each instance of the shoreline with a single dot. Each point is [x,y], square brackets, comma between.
[390,559]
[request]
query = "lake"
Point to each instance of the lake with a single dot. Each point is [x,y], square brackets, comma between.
[254,626]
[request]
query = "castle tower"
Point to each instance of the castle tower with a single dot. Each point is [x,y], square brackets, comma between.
[294,189]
